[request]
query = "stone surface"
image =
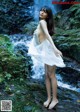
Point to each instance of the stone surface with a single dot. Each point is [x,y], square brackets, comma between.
[14,14]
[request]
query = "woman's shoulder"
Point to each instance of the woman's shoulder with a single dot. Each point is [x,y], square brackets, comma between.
[42,21]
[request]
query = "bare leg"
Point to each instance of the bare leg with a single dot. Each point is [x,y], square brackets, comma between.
[48,87]
[54,86]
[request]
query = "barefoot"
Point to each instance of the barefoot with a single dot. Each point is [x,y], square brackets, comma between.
[46,103]
[53,103]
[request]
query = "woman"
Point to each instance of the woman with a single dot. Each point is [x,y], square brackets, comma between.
[44,50]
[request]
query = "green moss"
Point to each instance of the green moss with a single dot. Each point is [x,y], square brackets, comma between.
[67,37]
[10,63]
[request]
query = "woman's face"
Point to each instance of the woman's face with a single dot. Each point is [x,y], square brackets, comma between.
[43,14]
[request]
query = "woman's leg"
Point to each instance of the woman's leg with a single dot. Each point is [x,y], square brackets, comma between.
[52,76]
[48,87]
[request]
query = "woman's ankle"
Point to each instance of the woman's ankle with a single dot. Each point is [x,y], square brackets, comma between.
[49,98]
[54,99]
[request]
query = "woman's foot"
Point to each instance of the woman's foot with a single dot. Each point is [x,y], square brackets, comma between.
[53,104]
[46,103]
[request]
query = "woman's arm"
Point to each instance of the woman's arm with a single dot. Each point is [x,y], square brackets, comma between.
[43,25]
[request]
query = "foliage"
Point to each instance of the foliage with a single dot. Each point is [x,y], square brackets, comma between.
[11,65]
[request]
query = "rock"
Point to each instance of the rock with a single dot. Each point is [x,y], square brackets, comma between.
[68,32]
[69,18]
[30,27]
[69,45]
[67,73]
[29,95]
[12,65]
[65,96]
[14,14]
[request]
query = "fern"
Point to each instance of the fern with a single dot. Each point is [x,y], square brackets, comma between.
[77,12]
[74,7]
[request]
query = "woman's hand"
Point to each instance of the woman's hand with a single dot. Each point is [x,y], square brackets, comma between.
[58,52]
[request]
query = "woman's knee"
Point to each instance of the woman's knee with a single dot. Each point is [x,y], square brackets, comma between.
[51,72]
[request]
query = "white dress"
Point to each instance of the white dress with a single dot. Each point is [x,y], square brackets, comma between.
[43,52]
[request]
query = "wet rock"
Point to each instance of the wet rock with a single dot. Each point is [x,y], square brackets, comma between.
[14,14]
[30,27]
[67,32]
[12,64]
[67,98]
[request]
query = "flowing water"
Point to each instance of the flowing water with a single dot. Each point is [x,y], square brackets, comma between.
[38,68]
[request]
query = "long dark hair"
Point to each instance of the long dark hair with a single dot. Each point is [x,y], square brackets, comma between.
[49,20]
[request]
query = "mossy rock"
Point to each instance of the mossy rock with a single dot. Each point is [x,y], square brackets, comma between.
[30,27]
[68,42]
[11,65]
[69,18]
[67,36]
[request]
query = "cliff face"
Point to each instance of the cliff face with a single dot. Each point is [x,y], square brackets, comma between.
[14,14]
[67,36]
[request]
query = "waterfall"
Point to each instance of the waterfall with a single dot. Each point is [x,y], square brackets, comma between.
[37,67]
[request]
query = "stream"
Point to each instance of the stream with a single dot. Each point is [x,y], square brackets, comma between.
[23,41]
